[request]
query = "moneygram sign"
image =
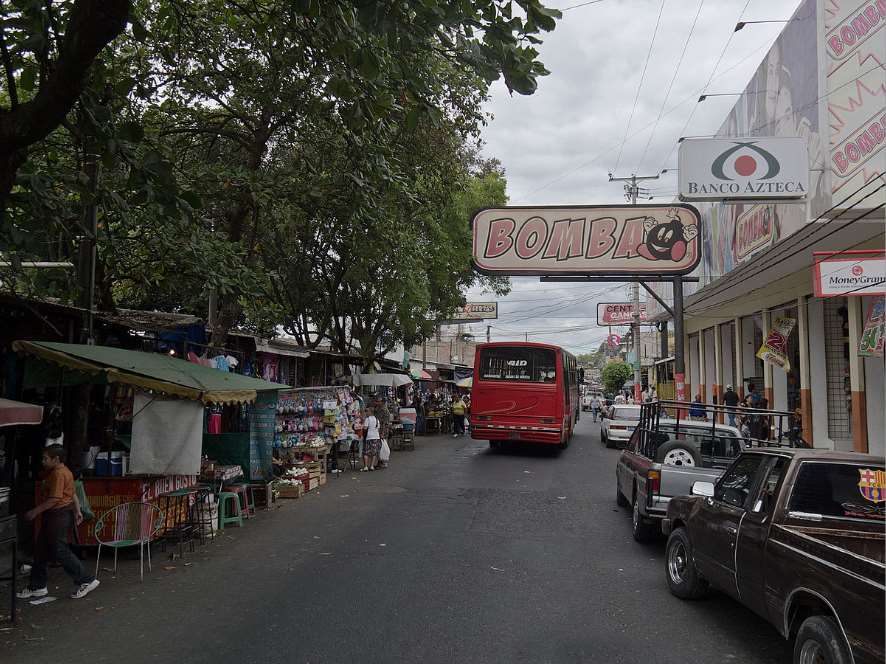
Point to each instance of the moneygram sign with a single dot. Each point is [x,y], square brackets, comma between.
[757,168]
[853,273]
[618,313]
[645,240]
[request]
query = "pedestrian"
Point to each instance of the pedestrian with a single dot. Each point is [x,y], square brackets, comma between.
[458,417]
[697,409]
[60,512]
[372,442]
[730,400]
[631,399]
[595,407]
[619,398]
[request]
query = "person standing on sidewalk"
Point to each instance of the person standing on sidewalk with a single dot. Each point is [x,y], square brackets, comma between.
[372,443]
[61,512]
[730,399]
[458,417]
[595,407]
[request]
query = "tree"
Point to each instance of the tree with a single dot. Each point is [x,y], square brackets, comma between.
[614,376]
[47,50]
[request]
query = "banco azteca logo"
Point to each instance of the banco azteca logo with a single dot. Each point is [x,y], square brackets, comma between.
[746,165]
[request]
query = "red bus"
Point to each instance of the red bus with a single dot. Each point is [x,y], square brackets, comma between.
[525,392]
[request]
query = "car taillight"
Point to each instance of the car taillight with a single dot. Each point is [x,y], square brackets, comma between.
[617,426]
[653,482]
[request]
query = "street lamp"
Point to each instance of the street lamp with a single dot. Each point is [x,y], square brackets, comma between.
[721,94]
[740,25]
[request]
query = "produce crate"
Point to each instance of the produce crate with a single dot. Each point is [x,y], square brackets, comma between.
[296,491]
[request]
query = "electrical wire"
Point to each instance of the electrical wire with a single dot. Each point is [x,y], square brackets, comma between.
[640,86]
[610,148]
[706,85]
[671,85]
[583,4]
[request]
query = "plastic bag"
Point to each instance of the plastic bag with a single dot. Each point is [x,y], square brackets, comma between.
[385,452]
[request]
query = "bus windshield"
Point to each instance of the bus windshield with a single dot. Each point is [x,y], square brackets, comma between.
[525,365]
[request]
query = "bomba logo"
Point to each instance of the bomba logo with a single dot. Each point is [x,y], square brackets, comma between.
[745,165]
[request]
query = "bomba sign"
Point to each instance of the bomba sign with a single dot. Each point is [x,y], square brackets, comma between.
[757,167]
[587,240]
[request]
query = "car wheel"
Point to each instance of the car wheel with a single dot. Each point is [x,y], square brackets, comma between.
[683,578]
[620,500]
[678,453]
[608,442]
[819,641]
[642,531]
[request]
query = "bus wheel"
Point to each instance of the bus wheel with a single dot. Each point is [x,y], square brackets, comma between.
[495,444]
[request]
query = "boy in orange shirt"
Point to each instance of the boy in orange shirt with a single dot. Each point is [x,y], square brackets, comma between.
[60,511]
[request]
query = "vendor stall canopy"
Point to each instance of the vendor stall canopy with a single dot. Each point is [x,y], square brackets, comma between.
[18,412]
[150,371]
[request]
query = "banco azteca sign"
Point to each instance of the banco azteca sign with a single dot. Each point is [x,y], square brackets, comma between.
[743,168]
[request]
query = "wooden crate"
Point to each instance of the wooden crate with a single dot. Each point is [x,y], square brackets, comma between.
[296,491]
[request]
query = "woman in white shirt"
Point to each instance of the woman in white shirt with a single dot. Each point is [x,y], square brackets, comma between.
[372,444]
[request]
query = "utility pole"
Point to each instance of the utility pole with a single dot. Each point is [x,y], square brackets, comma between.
[526,336]
[488,333]
[88,250]
[632,192]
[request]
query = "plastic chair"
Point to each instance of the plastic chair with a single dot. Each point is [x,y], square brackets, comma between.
[130,524]
[223,519]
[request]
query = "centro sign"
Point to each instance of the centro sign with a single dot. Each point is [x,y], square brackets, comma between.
[772,168]
[587,240]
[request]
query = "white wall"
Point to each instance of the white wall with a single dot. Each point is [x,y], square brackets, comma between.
[876,405]
[693,367]
[817,375]
[710,361]
[727,348]
[748,366]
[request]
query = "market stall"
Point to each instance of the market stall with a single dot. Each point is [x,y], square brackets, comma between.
[156,426]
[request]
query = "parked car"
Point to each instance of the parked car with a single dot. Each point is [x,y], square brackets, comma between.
[798,537]
[649,474]
[618,425]
[586,400]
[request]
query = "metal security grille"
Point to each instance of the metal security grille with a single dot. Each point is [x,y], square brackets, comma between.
[836,350]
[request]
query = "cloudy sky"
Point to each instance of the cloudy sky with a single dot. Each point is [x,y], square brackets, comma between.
[558,145]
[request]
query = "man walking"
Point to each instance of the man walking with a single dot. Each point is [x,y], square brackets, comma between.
[730,400]
[458,417]
[61,512]
[595,407]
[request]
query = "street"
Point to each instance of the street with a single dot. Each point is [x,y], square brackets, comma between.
[455,553]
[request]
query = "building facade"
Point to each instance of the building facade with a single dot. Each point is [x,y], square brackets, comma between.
[822,80]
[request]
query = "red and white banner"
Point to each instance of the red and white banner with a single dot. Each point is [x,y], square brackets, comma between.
[854,273]
[619,313]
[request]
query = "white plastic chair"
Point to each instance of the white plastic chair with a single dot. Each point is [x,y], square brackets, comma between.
[131,524]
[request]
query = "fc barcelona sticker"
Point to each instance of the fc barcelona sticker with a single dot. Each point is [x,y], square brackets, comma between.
[872,484]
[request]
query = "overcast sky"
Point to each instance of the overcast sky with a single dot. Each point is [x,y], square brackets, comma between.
[558,145]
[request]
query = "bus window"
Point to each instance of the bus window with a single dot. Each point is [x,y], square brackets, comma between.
[529,365]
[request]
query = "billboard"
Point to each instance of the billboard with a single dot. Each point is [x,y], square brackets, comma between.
[616,240]
[619,313]
[743,168]
[472,311]
[850,273]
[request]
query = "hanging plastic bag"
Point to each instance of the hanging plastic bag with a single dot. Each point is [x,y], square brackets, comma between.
[385,452]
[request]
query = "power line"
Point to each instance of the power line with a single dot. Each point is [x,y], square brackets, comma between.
[640,86]
[705,88]
[671,84]
[583,4]
[610,148]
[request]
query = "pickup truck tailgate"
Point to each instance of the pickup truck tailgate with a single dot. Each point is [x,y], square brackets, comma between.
[678,480]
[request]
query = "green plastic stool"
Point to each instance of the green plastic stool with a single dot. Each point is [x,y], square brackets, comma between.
[223,517]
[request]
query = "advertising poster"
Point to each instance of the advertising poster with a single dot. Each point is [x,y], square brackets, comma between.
[775,346]
[873,337]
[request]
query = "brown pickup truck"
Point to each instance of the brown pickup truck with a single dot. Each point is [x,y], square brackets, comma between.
[798,537]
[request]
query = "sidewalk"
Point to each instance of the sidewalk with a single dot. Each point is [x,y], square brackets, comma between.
[208,580]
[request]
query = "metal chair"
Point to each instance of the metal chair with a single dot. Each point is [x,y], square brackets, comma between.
[128,524]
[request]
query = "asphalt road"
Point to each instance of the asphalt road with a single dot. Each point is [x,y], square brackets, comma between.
[455,553]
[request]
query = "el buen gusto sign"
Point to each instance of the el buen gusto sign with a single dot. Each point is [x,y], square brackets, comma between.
[743,168]
[587,240]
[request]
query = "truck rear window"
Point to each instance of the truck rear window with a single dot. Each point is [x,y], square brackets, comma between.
[526,365]
[840,490]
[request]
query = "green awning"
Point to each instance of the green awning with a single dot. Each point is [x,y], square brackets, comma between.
[151,371]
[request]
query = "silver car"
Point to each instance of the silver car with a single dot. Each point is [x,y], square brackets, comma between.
[618,424]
